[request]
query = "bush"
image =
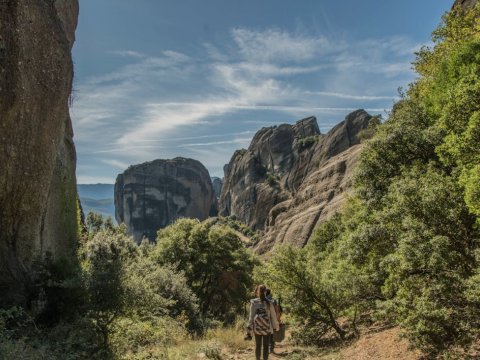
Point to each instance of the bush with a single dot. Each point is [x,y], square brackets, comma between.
[302,144]
[272,179]
[215,262]
[134,338]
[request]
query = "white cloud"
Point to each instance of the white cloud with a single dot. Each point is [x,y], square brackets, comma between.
[87,179]
[115,163]
[158,118]
[177,56]
[350,96]
[136,112]
[234,141]
[128,53]
[274,45]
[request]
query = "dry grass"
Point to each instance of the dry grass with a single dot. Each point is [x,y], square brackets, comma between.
[228,344]
[384,345]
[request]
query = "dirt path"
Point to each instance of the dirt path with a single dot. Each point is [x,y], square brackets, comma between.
[284,350]
[281,352]
[381,345]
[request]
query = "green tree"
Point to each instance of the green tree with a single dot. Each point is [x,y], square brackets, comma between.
[404,246]
[106,260]
[216,264]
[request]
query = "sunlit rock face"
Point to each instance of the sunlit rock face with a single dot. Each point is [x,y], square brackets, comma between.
[291,178]
[152,195]
[38,198]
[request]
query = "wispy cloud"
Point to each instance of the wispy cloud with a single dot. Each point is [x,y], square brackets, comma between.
[128,53]
[350,96]
[138,111]
[115,163]
[274,45]
[234,141]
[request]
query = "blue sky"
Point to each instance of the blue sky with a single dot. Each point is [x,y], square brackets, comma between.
[164,78]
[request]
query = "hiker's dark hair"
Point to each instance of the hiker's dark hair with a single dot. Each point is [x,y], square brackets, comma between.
[268,292]
[261,292]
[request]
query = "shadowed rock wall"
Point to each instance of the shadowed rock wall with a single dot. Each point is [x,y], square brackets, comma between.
[38,198]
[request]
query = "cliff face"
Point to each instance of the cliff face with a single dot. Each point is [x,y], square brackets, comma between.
[291,177]
[152,195]
[217,186]
[38,201]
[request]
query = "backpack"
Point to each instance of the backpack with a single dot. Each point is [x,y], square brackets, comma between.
[261,322]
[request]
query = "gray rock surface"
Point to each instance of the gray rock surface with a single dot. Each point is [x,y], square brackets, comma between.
[152,195]
[217,186]
[38,201]
[291,177]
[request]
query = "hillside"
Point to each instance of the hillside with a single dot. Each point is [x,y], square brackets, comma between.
[97,198]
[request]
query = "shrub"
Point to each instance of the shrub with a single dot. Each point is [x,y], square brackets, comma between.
[216,264]
[302,144]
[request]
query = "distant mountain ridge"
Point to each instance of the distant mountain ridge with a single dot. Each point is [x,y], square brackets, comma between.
[97,198]
[96,191]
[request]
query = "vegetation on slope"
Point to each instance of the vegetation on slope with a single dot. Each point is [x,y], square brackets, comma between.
[125,301]
[406,247]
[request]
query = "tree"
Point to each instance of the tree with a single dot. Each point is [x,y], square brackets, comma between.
[216,264]
[106,258]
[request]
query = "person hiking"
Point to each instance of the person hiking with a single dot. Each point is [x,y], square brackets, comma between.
[262,321]
[278,314]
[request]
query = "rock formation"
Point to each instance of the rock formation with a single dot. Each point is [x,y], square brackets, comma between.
[291,177]
[38,199]
[217,186]
[152,195]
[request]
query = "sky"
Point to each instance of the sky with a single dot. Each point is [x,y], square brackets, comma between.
[157,79]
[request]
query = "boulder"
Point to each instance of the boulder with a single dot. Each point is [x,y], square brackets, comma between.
[38,201]
[152,195]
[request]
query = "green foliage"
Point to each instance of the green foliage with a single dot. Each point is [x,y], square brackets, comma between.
[369,132]
[212,351]
[96,223]
[123,280]
[404,139]
[137,338]
[302,144]
[272,179]
[405,248]
[237,225]
[450,91]
[215,262]
[426,273]
[312,302]
[21,337]
[107,257]
[57,289]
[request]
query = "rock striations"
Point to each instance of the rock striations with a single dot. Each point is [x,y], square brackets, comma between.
[38,201]
[154,194]
[291,177]
[217,186]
